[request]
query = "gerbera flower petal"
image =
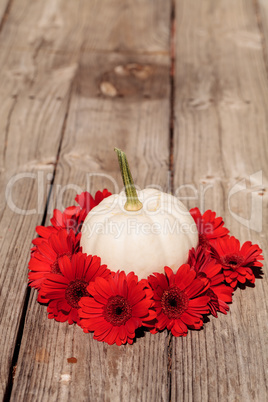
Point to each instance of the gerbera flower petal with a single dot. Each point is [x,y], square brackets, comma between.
[87,202]
[236,261]
[209,227]
[196,287]
[49,251]
[179,299]
[122,309]
[179,329]
[45,231]
[68,288]
[184,276]
[66,267]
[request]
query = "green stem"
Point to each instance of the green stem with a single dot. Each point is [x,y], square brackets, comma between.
[132,203]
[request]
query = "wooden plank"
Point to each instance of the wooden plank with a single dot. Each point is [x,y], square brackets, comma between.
[35,97]
[220,138]
[95,125]
[137,120]
[119,26]
[261,9]
[5,6]
[141,85]
[101,373]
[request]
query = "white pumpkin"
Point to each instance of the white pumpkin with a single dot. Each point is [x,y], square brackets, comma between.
[151,234]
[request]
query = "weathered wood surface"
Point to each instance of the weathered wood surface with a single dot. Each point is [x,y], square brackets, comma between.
[4,11]
[34,97]
[91,123]
[220,138]
[56,60]
[110,373]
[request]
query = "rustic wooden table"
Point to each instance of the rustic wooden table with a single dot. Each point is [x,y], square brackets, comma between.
[182,87]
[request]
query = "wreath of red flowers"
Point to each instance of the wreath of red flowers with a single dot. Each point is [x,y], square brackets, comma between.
[77,288]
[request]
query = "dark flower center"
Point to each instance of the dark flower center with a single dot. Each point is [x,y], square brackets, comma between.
[55,269]
[117,310]
[74,291]
[174,302]
[232,261]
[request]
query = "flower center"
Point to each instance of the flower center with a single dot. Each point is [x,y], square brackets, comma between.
[174,302]
[55,269]
[74,291]
[232,261]
[117,310]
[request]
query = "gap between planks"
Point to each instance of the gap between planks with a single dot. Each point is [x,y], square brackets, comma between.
[60,127]
[172,96]
[260,26]
[171,53]
[171,155]
[12,371]
[5,14]
[171,133]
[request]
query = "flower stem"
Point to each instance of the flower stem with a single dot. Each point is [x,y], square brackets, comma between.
[132,203]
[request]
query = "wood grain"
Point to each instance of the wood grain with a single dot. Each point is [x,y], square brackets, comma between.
[77,79]
[5,6]
[124,27]
[34,96]
[220,138]
[118,99]
[261,9]
[96,123]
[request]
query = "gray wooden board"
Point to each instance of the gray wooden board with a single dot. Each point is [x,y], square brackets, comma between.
[105,65]
[4,10]
[220,138]
[261,9]
[34,98]
[137,120]
[96,123]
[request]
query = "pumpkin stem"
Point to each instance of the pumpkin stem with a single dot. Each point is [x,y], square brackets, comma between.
[132,203]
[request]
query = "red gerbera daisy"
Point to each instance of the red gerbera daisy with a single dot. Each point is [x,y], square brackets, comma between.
[219,296]
[69,219]
[87,202]
[119,305]
[209,227]
[65,291]
[179,300]
[44,232]
[237,262]
[209,268]
[72,217]
[45,259]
